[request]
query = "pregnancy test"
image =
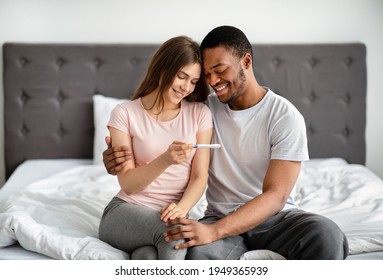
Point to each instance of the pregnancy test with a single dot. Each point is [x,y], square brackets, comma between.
[211,146]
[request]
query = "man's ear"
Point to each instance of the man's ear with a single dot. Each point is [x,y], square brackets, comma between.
[247,60]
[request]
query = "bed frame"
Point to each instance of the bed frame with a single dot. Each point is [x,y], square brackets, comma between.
[48,91]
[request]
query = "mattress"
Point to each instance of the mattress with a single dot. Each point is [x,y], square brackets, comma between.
[349,194]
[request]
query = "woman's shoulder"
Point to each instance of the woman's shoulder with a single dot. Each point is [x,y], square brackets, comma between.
[129,105]
[127,108]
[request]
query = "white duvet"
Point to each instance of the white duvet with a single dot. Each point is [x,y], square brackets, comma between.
[59,216]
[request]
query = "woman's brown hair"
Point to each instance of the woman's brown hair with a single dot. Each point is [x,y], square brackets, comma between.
[172,55]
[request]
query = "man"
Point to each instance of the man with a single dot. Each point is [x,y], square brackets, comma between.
[252,177]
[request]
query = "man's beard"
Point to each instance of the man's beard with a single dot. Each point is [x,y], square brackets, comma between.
[242,78]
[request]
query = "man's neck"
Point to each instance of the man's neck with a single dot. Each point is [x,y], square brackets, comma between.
[253,95]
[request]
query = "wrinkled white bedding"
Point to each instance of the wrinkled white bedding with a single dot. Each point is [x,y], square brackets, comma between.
[59,216]
[349,194]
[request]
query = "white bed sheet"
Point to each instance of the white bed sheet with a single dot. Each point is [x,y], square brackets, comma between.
[349,194]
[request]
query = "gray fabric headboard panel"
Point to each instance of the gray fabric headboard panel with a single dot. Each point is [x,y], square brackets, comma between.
[48,91]
[328,84]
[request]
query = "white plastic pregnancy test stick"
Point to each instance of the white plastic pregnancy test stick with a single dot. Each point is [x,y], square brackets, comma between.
[212,146]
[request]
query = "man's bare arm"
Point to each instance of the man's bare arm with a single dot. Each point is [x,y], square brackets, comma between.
[279,181]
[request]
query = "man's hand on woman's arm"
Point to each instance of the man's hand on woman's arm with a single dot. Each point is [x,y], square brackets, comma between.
[115,158]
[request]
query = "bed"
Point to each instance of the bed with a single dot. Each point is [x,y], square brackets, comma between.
[57,101]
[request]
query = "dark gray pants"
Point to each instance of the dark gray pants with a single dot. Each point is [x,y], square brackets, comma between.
[294,234]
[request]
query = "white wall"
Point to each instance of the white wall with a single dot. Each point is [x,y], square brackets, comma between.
[153,21]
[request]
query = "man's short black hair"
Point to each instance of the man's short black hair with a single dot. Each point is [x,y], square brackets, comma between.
[229,37]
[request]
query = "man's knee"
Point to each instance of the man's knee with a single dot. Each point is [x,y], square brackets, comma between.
[210,251]
[326,239]
[199,253]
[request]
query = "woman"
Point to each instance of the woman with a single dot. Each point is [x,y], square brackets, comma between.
[166,176]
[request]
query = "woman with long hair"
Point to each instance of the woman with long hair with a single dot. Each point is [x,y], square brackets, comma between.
[166,176]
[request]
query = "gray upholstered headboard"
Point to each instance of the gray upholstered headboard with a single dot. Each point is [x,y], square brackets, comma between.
[48,91]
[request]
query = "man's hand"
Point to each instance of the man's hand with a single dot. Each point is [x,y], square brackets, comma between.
[115,158]
[194,232]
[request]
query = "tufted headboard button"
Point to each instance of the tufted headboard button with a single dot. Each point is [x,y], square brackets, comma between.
[24,130]
[135,61]
[276,62]
[346,132]
[313,62]
[312,97]
[310,130]
[347,98]
[60,62]
[60,97]
[24,97]
[61,132]
[348,61]
[97,62]
[23,61]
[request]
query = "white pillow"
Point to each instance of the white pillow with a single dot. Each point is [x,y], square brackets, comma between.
[102,107]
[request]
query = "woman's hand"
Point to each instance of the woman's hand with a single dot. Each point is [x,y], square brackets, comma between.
[172,211]
[178,152]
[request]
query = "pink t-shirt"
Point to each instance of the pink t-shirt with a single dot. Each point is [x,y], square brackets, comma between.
[150,138]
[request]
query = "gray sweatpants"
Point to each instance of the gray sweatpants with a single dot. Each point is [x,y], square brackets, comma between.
[294,234]
[136,229]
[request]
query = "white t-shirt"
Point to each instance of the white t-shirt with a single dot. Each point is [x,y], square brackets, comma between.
[272,129]
[150,138]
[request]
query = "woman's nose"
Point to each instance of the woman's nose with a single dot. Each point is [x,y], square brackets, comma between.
[185,87]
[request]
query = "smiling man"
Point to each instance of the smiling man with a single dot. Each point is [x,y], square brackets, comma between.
[252,177]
